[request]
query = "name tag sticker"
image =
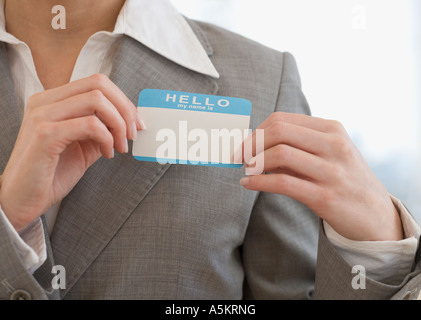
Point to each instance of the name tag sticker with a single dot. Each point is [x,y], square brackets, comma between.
[191,128]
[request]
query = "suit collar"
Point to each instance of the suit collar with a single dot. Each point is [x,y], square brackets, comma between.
[111,190]
[160,27]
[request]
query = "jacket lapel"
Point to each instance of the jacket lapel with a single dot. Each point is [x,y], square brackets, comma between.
[10,118]
[112,189]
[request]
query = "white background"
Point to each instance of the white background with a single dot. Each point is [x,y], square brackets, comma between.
[360,64]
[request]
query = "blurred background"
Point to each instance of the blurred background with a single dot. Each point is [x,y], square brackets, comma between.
[360,64]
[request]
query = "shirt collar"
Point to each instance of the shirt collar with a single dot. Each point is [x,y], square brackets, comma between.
[4,35]
[157,25]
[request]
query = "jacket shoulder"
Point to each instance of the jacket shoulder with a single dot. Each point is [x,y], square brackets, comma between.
[268,77]
[217,40]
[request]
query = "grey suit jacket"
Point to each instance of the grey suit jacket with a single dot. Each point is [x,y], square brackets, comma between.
[139,230]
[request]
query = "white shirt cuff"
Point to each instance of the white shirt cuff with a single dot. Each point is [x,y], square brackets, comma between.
[384,261]
[29,244]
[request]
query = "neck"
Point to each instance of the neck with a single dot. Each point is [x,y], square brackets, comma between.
[55,50]
[32,21]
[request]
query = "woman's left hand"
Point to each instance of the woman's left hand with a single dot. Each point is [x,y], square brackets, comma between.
[314,161]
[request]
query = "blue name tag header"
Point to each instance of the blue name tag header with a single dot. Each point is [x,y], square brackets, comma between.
[153,98]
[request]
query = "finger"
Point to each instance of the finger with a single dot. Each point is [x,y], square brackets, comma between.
[280,132]
[87,104]
[56,136]
[301,190]
[310,122]
[284,157]
[96,82]
[279,121]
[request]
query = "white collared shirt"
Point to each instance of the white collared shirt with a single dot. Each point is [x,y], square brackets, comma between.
[157,25]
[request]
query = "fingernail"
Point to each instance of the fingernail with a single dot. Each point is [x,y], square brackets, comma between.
[134,132]
[251,163]
[126,146]
[245,181]
[112,153]
[140,121]
[250,171]
[237,156]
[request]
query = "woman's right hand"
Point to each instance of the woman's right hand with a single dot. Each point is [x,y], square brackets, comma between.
[63,132]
